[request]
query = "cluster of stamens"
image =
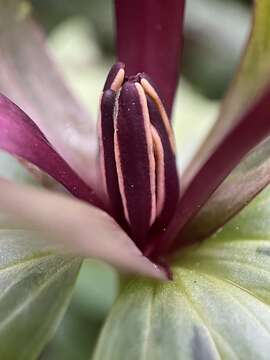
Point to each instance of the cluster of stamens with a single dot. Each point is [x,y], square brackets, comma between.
[137,154]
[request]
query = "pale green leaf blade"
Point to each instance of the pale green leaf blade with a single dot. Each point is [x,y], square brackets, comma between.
[217,306]
[153,321]
[240,252]
[35,289]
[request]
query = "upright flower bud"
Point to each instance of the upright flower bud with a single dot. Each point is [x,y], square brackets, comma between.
[137,154]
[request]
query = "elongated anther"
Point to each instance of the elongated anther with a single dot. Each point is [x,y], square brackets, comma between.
[106,148]
[160,170]
[150,90]
[115,77]
[166,169]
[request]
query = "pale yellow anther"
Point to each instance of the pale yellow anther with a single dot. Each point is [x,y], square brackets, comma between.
[118,80]
[152,164]
[149,90]
[160,170]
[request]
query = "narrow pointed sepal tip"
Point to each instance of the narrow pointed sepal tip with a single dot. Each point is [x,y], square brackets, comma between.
[152,270]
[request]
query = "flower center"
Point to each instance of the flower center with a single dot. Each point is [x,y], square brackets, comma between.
[137,154]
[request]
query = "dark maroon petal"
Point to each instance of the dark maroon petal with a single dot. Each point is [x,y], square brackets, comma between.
[115,77]
[107,157]
[252,127]
[149,39]
[21,137]
[135,159]
[236,191]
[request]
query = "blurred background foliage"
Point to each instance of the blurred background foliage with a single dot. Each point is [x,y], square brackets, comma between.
[81,37]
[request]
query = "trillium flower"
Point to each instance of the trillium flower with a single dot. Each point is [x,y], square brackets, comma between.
[130,206]
[133,178]
[139,183]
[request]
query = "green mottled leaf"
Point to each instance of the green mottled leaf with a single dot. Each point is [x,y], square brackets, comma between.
[217,306]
